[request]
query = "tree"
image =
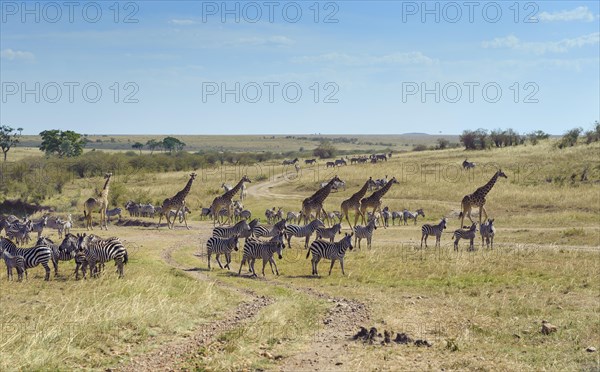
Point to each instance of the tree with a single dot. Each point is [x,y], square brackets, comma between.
[570,138]
[325,150]
[9,138]
[468,139]
[538,135]
[594,134]
[442,143]
[153,145]
[138,146]
[172,144]
[62,143]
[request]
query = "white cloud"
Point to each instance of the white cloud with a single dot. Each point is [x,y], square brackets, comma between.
[581,13]
[542,47]
[367,60]
[16,55]
[182,22]
[277,40]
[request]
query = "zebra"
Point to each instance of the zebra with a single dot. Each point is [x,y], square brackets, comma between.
[293,216]
[397,215]
[323,233]
[340,162]
[56,254]
[220,246]
[39,255]
[386,215]
[69,249]
[488,231]
[270,214]
[310,161]
[133,208]
[242,214]
[38,227]
[256,249]
[330,164]
[465,234]
[436,230]
[147,210]
[332,251]
[406,215]
[113,212]
[364,232]
[236,230]
[263,231]
[173,213]
[99,250]
[18,262]
[19,232]
[467,164]
[290,162]
[205,212]
[302,231]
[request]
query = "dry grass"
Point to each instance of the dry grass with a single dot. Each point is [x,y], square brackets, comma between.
[482,309]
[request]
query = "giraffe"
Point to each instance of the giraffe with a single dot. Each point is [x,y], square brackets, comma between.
[353,203]
[315,202]
[477,198]
[374,200]
[224,201]
[99,204]
[176,202]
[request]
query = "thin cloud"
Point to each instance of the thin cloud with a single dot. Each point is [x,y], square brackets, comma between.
[182,22]
[581,13]
[277,40]
[16,55]
[367,60]
[543,47]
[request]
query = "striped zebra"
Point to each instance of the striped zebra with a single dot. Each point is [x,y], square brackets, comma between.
[488,231]
[386,215]
[305,231]
[39,255]
[263,231]
[323,233]
[331,251]
[293,216]
[407,215]
[98,250]
[397,215]
[255,249]
[239,229]
[113,212]
[220,246]
[465,234]
[17,262]
[436,230]
[38,227]
[69,249]
[364,232]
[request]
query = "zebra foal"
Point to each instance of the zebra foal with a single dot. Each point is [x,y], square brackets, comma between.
[17,262]
[465,234]
[488,231]
[39,255]
[364,232]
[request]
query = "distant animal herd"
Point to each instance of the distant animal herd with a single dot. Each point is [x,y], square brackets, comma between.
[232,222]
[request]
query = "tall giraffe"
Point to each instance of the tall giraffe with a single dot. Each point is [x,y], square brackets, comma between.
[374,200]
[176,202]
[477,198]
[224,201]
[315,202]
[99,204]
[353,203]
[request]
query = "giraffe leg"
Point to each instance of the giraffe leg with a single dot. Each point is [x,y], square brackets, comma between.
[185,221]
[175,217]
[482,209]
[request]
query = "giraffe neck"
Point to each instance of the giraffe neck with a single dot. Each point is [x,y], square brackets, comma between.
[231,193]
[483,190]
[381,192]
[183,193]
[105,188]
[361,193]
[324,192]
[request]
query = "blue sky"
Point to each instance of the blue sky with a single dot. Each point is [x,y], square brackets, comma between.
[381,67]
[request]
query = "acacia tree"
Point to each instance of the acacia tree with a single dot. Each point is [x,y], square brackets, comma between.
[62,143]
[172,144]
[9,137]
[138,146]
[153,145]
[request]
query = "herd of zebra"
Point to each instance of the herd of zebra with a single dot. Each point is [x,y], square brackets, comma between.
[88,251]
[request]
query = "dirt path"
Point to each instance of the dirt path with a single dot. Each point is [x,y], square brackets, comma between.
[169,356]
[326,344]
